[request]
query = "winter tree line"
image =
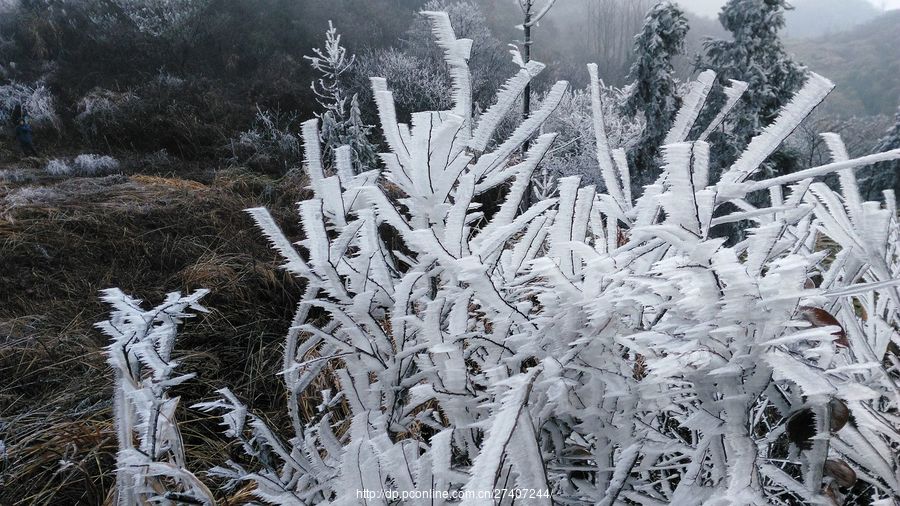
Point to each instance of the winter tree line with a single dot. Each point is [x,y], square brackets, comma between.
[209,80]
[637,295]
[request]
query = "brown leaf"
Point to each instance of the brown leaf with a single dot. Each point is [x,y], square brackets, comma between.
[818,317]
[843,475]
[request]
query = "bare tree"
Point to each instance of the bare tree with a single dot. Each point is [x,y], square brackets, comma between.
[532,17]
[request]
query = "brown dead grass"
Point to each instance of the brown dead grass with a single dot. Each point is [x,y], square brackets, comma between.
[147,235]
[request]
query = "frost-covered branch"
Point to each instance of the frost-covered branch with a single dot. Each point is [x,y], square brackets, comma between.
[150,465]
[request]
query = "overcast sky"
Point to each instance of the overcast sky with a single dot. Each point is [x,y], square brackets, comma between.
[711,7]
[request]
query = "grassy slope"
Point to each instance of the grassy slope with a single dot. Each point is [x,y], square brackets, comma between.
[63,240]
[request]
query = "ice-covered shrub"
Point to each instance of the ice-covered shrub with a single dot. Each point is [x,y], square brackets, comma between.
[30,195]
[15,176]
[95,165]
[35,98]
[150,464]
[597,348]
[271,144]
[100,113]
[574,152]
[417,86]
[342,123]
[188,118]
[82,165]
[57,167]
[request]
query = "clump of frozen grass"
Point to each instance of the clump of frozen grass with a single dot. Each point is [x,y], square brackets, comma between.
[83,165]
[15,176]
[28,195]
[57,167]
[93,165]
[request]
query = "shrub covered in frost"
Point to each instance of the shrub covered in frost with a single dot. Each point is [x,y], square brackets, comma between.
[95,165]
[15,176]
[100,113]
[271,144]
[36,99]
[57,167]
[595,348]
[573,153]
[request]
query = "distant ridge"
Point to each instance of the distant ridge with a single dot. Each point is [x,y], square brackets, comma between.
[814,18]
[864,62]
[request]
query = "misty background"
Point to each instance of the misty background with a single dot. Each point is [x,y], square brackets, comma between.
[237,56]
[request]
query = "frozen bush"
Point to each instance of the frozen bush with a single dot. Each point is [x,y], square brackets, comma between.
[15,176]
[150,464]
[598,348]
[29,195]
[57,167]
[95,165]
[100,113]
[270,145]
[416,85]
[574,152]
[157,160]
[592,348]
[36,99]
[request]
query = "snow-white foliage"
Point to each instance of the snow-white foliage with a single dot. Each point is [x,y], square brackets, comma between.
[574,151]
[15,176]
[82,165]
[99,110]
[603,348]
[150,464]
[342,123]
[91,165]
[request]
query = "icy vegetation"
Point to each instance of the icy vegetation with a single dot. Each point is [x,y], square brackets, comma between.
[597,348]
[35,98]
[150,466]
[91,165]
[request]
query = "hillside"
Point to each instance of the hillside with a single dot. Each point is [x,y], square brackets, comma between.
[864,63]
[816,18]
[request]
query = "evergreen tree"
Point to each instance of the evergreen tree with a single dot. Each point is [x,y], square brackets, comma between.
[653,93]
[756,56]
[340,126]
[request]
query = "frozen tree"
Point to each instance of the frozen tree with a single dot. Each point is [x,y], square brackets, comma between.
[654,90]
[756,56]
[487,61]
[150,464]
[533,13]
[600,348]
[342,123]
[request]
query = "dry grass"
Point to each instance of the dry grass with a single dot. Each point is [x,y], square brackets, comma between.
[147,235]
